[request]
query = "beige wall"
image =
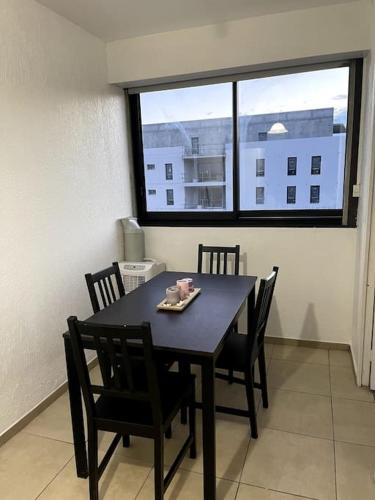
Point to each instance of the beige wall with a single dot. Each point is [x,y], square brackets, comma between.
[249,42]
[314,293]
[314,298]
[63,185]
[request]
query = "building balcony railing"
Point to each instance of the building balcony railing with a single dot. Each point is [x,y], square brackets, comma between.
[204,178]
[204,151]
[205,205]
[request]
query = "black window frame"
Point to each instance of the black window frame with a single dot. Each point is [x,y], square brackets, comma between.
[153,193]
[347,217]
[313,167]
[259,195]
[168,171]
[314,187]
[292,189]
[260,167]
[170,202]
[292,170]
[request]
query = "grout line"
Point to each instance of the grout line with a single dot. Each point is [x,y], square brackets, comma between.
[144,482]
[333,426]
[46,437]
[54,477]
[299,433]
[355,444]
[279,491]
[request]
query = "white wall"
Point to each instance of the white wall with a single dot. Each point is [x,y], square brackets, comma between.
[314,293]
[249,42]
[314,298]
[63,185]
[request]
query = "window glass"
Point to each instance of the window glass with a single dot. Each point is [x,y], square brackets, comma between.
[189,131]
[289,120]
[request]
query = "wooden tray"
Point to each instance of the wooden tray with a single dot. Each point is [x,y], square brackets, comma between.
[163,306]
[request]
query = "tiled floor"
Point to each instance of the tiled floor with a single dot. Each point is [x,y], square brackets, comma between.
[317,441]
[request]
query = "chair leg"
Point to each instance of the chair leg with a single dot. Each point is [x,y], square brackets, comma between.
[192,426]
[184,369]
[263,376]
[249,384]
[230,375]
[159,467]
[126,440]
[93,462]
[168,432]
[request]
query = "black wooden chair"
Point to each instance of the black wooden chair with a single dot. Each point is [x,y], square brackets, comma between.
[220,254]
[103,282]
[240,353]
[134,398]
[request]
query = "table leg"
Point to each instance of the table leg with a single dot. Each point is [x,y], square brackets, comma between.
[208,419]
[76,412]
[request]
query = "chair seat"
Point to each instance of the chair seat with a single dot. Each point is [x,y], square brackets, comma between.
[173,387]
[235,353]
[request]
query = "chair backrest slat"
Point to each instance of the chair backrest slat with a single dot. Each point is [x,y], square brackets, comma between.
[262,309]
[103,283]
[221,255]
[132,377]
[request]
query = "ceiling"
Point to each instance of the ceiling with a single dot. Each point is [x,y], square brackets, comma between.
[116,19]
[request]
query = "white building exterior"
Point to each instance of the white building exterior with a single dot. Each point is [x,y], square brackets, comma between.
[188,165]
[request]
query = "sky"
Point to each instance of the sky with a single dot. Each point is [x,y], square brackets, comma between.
[299,91]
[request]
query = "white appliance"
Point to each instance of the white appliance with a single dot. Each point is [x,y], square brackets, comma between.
[135,273]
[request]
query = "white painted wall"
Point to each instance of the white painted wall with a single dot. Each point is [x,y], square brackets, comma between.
[63,185]
[314,293]
[314,297]
[253,41]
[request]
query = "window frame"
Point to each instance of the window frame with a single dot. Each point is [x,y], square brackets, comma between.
[346,217]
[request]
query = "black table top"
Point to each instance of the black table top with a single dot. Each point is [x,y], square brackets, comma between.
[200,328]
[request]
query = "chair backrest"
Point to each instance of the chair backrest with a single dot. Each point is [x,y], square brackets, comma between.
[105,282]
[220,254]
[262,308]
[126,361]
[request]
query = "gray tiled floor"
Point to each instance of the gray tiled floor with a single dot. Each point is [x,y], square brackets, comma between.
[316,440]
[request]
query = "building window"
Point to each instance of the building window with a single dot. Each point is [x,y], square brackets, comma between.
[169,172]
[195,145]
[316,162]
[151,192]
[314,194]
[292,165]
[260,167]
[214,133]
[150,166]
[262,136]
[291,194]
[259,195]
[170,197]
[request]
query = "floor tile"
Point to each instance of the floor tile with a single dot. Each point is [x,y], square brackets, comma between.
[292,463]
[28,463]
[121,479]
[301,377]
[298,412]
[300,354]
[189,486]
[340,358]
[246,492]
[54,422]
[232,440]
[343,385]
[354,421]
[355,466]
[268,349]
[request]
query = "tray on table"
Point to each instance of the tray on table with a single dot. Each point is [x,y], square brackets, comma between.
[163,306]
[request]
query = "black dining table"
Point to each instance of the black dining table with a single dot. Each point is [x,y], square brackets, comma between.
[193,336]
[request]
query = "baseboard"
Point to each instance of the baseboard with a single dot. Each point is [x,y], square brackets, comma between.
[316,344]
[26,419]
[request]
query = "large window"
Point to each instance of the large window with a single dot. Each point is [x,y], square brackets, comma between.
[201,150]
